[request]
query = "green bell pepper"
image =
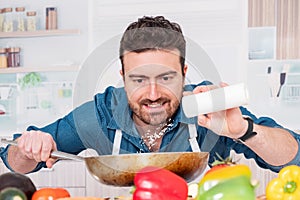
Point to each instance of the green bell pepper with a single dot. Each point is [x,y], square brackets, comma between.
[238,188]
[227,182]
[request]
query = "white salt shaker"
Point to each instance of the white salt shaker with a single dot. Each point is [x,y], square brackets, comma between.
[215,100]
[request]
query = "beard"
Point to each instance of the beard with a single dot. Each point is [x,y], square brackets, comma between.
[154,117]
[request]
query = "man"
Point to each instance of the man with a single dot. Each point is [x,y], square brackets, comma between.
[146,116]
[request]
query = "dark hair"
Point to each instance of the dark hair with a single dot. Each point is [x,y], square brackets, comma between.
[153,33]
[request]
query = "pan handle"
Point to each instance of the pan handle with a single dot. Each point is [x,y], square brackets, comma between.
[66,156]
[55,154]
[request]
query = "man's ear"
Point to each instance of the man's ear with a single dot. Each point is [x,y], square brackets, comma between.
[121,73]
[185,68]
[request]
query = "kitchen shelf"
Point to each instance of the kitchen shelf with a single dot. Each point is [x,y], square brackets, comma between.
[287,74]
[262,60]
[58,68]
[38,33]
[6,115]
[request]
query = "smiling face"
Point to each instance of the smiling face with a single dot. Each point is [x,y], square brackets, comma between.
[154,84]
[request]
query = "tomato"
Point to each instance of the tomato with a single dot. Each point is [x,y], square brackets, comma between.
[50,194]
[220,163]
[216,167]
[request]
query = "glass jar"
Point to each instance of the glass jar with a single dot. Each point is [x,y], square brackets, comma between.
[3,58]
[20,19]
[51,18]
[8,20]
[1,19]
[31,21]
[13,56]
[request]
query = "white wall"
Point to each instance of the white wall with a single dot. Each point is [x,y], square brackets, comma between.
[218,26]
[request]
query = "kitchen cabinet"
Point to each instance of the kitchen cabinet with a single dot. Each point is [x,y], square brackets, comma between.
[261,13]
[262,29]
[283,40]
[288,29]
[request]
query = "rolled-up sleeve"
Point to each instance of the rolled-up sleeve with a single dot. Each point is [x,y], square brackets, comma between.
[296,160]
[4,157]
[266,121]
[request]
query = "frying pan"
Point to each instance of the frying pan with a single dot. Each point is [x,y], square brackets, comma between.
[119,170]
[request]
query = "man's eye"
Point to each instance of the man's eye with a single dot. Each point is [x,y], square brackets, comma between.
[165,78]
[138,80]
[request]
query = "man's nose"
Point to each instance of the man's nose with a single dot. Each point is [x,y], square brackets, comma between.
[154,92]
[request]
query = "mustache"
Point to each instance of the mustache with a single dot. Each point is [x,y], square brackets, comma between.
[158,101]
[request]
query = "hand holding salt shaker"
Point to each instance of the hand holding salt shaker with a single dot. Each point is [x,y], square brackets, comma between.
[215,100]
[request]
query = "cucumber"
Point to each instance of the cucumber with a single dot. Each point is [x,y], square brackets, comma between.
[11,193]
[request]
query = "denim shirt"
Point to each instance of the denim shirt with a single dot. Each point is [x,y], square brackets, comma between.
[94,124]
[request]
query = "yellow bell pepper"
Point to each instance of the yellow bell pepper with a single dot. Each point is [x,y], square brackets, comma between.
[286,186]
[224,172]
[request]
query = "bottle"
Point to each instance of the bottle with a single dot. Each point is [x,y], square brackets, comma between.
[215,100]
[31,21]
[1,19]
[20,18]
[68,91]
[3,58]
[51,18]
[8,20]
[13,57]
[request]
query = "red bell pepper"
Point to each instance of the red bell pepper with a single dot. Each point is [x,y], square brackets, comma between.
[159,184]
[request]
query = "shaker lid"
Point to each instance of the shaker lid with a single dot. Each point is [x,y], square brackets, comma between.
[7,10]
[31,13]
[20,9]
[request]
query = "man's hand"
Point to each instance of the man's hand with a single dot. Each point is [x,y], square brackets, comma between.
[228,122]
[37,146]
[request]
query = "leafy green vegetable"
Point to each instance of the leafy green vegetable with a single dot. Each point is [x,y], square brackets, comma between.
[31,79]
